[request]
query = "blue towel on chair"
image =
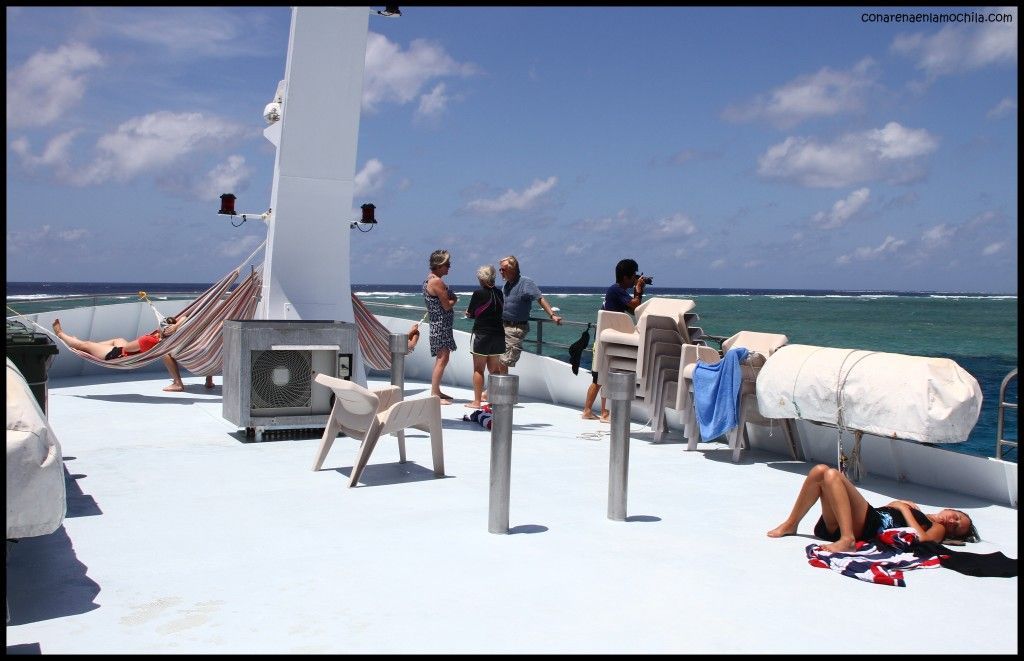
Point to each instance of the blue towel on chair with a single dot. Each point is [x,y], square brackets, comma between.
[716,390]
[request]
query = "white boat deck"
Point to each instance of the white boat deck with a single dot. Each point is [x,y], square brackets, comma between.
[181,537]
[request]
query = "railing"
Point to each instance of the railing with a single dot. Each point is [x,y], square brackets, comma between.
[68,302]
[1003,405]
[551,347]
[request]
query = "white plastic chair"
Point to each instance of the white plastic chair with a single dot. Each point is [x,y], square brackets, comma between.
[369,414]
[760,347]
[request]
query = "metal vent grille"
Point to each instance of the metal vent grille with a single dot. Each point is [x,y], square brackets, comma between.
[281,379]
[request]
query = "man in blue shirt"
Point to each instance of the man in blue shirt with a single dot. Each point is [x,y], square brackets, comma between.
[623,296]
[520,293]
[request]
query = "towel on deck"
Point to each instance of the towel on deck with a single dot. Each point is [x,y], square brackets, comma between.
[716,390]
[881,561]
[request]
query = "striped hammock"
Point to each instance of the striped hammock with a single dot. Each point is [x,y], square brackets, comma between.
[199,337]
[374,337]
[200,334]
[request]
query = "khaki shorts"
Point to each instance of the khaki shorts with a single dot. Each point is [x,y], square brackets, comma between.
[514,334]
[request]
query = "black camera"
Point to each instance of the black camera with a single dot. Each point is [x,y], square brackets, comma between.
[648,279]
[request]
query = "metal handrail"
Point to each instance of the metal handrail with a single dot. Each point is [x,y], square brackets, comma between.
[1003,405]
[539,344]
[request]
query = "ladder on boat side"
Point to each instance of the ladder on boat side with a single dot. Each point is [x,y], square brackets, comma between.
[1003,405]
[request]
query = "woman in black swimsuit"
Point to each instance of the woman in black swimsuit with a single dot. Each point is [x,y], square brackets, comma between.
[846,517]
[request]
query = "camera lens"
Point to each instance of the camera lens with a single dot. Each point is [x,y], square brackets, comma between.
[649,279]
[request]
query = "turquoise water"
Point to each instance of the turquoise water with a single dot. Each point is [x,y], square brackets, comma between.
[979,332]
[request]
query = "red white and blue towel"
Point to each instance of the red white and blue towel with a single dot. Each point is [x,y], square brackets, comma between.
[881,560]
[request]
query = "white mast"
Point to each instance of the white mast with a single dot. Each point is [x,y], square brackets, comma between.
[306,264]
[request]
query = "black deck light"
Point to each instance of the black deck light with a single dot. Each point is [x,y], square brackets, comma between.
[367,219]
[227,204]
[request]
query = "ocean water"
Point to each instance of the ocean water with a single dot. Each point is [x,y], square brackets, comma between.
[977,331]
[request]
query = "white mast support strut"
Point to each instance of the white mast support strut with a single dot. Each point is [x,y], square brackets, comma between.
[306,264]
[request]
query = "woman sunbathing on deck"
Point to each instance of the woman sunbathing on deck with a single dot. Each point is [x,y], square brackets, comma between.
[846,517]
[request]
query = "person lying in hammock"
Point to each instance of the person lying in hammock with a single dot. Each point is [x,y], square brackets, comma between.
[846,517]
[118,347]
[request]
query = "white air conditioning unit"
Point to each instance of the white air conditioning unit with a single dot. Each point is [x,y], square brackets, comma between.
[268,371]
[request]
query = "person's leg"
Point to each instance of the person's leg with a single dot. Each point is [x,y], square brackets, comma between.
[440,363]
[588,403]
[605,413]
[95,349]
[809,494]
[843,506]
[478,380]
[172,367]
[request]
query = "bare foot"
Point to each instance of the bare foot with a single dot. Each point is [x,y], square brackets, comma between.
[175,387]
[473,405]
[444,396]
[605,418]
[841,546]
[483,397]
[588,415]
[56,327]
[782,530]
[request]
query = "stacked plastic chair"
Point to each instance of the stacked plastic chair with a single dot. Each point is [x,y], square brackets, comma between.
[759,346]
[650,348]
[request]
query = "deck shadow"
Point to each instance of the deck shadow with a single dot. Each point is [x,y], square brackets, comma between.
[78,502]
[169,398]
[375,475]
[45,580]
[527,529]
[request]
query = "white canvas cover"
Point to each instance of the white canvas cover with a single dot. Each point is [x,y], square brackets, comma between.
[35,468]
[932,400]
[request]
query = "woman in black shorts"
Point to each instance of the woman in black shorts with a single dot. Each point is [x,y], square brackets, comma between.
[484,309]
[846,517]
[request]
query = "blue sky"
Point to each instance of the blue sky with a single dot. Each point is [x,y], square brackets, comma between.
[719,147]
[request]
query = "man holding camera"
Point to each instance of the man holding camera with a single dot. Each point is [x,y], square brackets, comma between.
[623,296]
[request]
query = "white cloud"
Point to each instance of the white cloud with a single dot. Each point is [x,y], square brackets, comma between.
[719,264]
[153,142]
[890,246]
[184,31]
[888,154]
[823,94]
[48,85]
[370,178]
[45,235]
[937,235]
[1005,107]
[433,103]
[678,224]
[620,221]
[842,210]
[226,177]
[396,76]
[992,248]
[55,154]
[512,200]
[962,47]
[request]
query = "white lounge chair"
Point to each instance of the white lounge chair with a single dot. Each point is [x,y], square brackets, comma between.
[368,414]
